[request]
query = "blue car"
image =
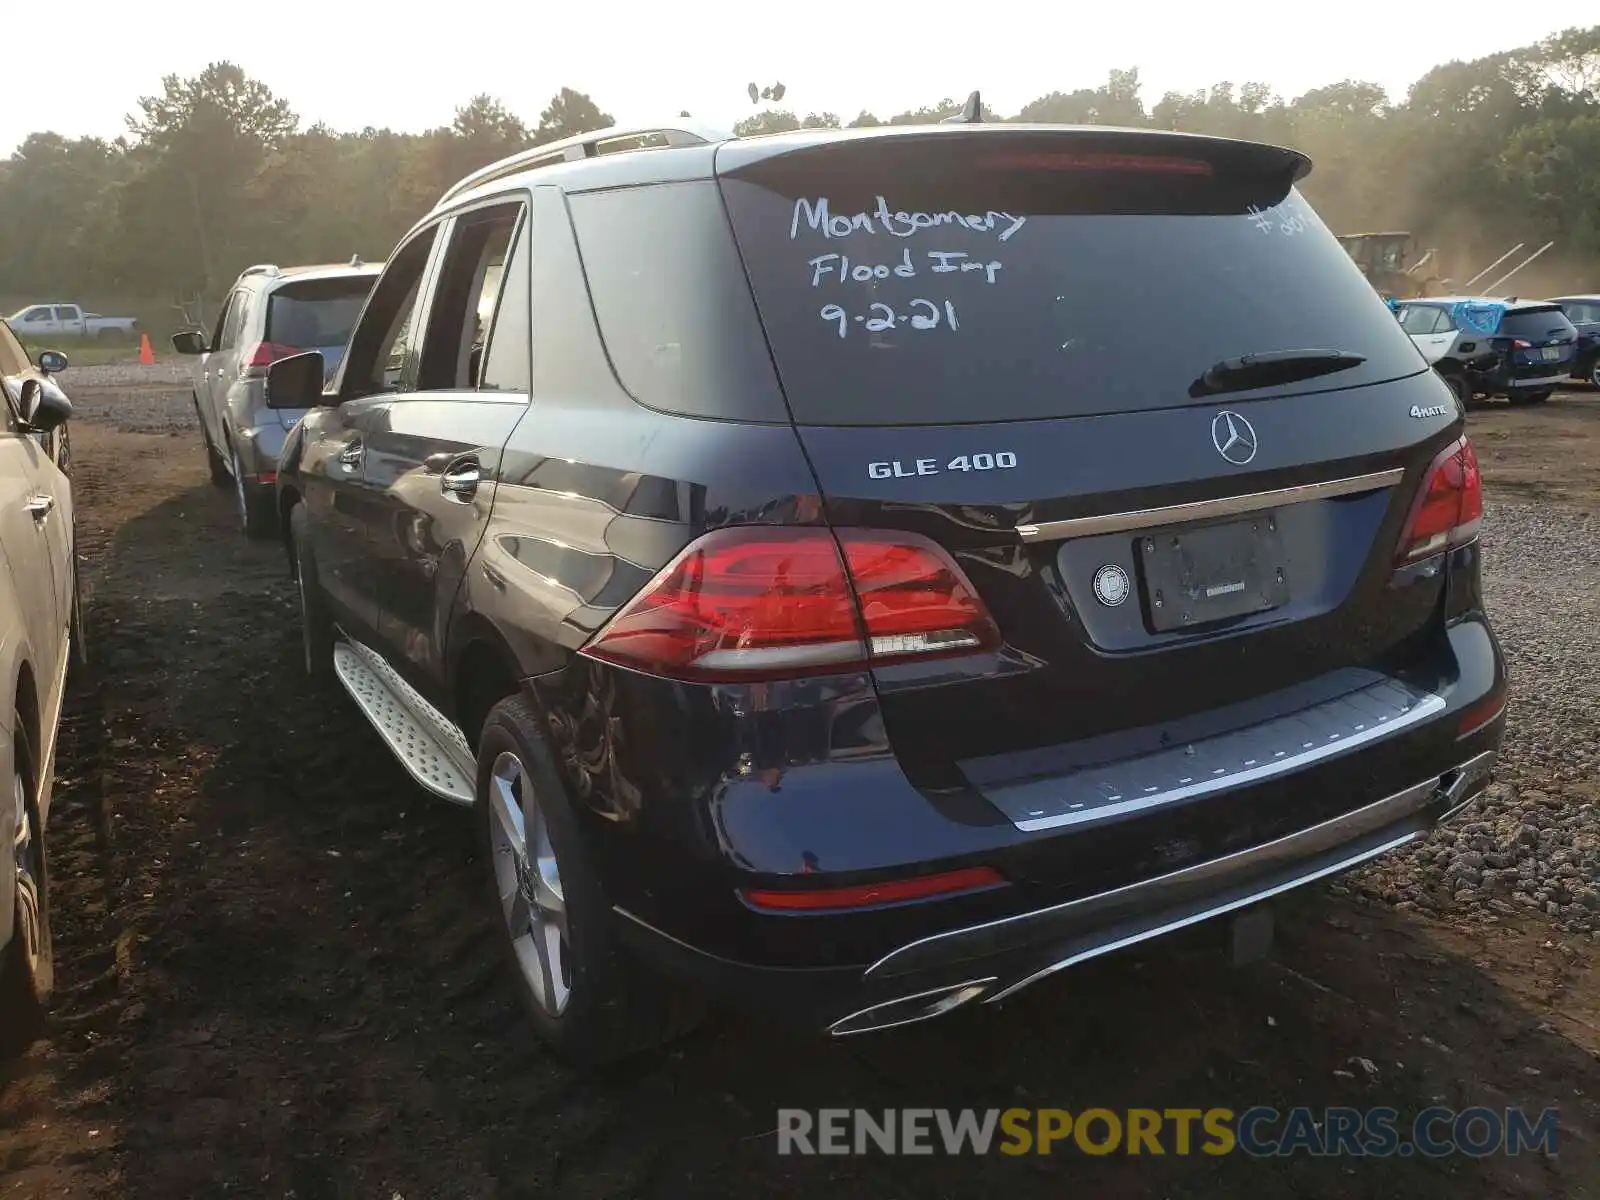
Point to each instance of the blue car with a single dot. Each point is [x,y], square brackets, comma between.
[1584,313]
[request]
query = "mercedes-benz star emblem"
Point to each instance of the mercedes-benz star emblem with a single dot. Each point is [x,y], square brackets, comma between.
[1234,437]
[1111,585]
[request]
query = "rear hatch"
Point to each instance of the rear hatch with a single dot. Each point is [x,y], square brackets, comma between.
[987,336]
[313,314]
[1536,341]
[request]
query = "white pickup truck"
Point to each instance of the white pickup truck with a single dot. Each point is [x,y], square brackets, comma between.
[38,322]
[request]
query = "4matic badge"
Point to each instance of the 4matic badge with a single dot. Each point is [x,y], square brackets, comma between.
[1435,410]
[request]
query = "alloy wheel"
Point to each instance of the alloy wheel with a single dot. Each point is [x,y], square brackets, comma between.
[25,854]
[528,882]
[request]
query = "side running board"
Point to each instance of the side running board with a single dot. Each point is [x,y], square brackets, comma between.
[426,742]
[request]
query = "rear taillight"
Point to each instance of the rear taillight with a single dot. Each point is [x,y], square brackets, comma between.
[757,602]
[263,355]
[1449,508]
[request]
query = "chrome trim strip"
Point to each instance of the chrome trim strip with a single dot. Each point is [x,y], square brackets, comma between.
[1426,707]
[1218,910]
[47,754]
[1310,840]
[955,995]
[1199,510]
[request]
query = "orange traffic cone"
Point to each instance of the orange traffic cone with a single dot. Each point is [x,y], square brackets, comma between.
[147,354]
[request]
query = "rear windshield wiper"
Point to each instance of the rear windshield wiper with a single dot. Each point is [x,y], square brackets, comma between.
[1271,368]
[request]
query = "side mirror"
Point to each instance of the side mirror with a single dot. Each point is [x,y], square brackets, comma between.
[44,408]
[190,341]
[52,362]
[296,381]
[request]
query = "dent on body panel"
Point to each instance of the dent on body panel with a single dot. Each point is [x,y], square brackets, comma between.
[705,766]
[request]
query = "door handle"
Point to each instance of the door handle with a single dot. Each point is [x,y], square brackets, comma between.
[350,456]
[39,507]
[461,478]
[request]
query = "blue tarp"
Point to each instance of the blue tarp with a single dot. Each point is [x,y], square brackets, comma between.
[1479,316]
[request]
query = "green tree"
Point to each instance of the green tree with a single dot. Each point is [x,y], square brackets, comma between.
[199,150]
[569,114]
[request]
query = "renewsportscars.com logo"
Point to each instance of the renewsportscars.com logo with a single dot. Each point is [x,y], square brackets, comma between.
[1259,1132]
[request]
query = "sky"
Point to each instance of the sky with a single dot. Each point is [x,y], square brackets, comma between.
[354,63]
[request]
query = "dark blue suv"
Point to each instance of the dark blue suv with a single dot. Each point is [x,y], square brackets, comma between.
[1584,313]
[832,588]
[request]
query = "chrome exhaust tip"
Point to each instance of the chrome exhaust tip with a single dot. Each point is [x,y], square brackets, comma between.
[908,1010]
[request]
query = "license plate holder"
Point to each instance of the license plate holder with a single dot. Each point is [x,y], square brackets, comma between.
[1196,575]
[1551,353]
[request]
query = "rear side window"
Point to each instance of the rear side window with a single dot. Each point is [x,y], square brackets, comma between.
[1420,319]
[672,302]
[992,277]
[316,314]
[1540,324]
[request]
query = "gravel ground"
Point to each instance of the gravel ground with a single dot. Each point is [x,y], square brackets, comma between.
[1534,842]
[167,371]
[143,411]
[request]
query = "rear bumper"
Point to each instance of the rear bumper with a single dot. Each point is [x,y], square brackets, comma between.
[259,448]
[1511,380]
[993,960]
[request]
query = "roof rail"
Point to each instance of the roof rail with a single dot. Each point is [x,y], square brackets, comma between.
[678,132]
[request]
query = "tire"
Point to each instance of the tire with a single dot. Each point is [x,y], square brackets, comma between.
[217,464]
[1538,397]
[255,508]
[316,626]
[1594,372]
[1461,388]
[26,964]
[588,999]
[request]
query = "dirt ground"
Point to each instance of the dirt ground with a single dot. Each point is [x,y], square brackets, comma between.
[276,977]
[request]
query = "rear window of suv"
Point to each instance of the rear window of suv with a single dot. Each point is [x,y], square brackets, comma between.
[991,276]
[1542,324]
[317,314]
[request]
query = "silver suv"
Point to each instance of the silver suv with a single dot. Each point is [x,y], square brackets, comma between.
[271,313]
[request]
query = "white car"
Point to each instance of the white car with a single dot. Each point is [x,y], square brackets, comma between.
[40,624]
[56,319]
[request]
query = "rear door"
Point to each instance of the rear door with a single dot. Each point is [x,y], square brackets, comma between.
[341,503]
[1430,329]
[69,320]
[214,367]
[433,454]
[961,323]
[224,364]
